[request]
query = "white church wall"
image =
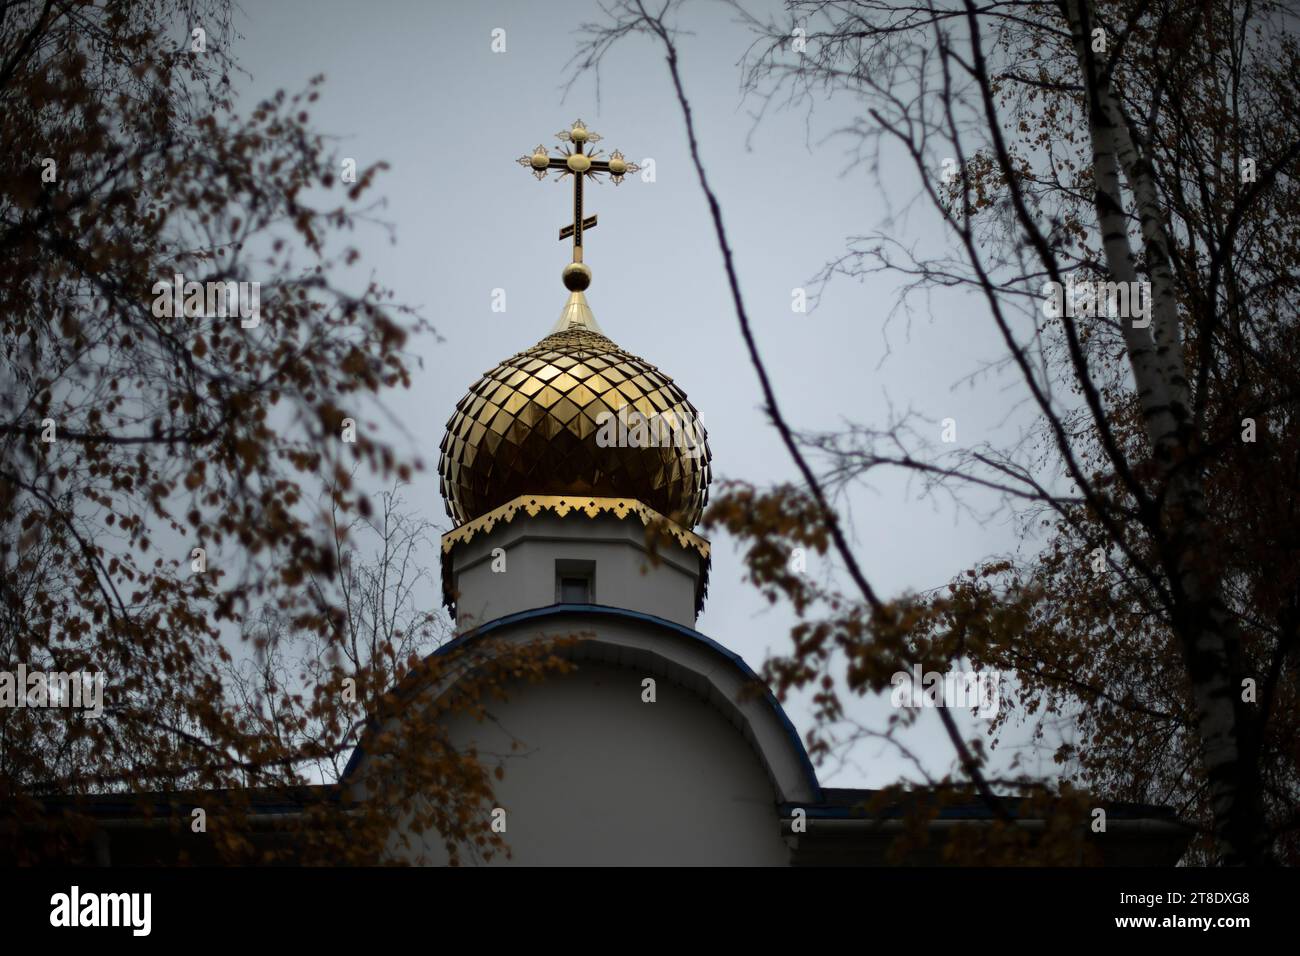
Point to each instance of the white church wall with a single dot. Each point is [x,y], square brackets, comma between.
[604,777]
[625,575]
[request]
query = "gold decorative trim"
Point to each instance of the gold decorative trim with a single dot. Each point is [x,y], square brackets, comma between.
[562,505]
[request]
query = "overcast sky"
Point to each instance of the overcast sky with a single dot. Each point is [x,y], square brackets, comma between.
[416,84]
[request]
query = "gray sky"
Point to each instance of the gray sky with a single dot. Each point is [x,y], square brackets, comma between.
[417,85]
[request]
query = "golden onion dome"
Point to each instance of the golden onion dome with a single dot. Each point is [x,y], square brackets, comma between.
[575,415]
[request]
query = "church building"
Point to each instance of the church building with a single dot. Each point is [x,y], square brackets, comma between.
[575,474]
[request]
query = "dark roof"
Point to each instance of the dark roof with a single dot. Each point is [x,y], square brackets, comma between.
[262,801]
[842,803]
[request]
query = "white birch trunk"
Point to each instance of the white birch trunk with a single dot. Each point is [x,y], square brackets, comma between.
[1202,623]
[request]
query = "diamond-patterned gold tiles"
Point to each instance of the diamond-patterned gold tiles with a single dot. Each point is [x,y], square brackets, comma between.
[530,426]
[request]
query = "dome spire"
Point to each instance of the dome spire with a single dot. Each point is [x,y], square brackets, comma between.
[575,417]
[577,315]
[573,161]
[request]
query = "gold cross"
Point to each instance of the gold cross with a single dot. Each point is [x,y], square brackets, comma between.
[574,162]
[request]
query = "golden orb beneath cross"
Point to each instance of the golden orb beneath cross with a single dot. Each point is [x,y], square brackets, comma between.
[576,276]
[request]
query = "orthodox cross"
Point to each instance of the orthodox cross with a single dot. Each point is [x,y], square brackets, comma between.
[574,162]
